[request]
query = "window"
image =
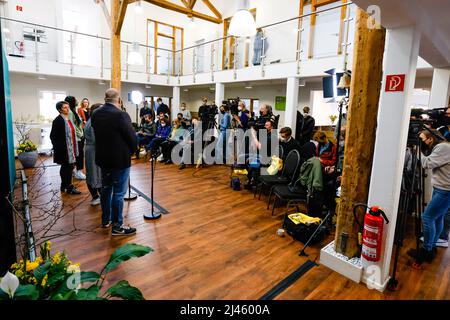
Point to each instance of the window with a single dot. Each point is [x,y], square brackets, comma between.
[165,40]
[47,104]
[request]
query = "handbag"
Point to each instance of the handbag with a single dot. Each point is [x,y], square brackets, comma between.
[275,166]
[301,227]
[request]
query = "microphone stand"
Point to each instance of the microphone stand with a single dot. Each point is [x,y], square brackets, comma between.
[154,215]
[131,195]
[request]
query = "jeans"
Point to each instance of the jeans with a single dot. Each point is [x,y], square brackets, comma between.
[114,187]
[446,230]
[95,192]
[433,217]
[223,149]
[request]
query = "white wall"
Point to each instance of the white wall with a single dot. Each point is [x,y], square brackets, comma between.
[25,92]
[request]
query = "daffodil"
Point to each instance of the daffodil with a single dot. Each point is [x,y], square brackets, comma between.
[32,265]
[9,284]
[56,258]
[73,268]
[44,281]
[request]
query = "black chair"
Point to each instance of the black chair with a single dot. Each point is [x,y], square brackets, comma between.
[290,170]
[293,192]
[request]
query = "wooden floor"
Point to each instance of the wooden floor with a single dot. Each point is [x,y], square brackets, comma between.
[215,244]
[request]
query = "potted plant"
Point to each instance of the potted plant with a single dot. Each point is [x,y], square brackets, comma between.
[26,150]
[55,277]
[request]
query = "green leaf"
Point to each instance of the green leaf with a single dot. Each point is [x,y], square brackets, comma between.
[26,292]
[126,252]
[41,271]
[3,295]
[54,280]
[88,294]
[89,277]
[122,289]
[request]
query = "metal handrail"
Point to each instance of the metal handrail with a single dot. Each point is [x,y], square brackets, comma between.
[187,48]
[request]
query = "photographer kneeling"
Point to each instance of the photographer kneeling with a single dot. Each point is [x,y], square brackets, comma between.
[438,160]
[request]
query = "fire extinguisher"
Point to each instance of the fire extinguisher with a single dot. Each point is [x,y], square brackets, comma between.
[372,232]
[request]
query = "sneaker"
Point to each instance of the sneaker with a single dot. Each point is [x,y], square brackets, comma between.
[442,243]
[95,202]
[123,231]
[106,225]
[79,175]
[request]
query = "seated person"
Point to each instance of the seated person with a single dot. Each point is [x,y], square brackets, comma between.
[288,142]
[160,116]
[255,156]
[265,114]
[146,133]
[162,133]
[241,119]
[326,150]
[176,135]
[186,114]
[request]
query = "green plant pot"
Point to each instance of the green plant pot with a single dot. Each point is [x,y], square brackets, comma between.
[28,159]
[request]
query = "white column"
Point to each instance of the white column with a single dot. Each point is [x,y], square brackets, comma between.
[176,102]
[438,99]
[401,54]
[440,89]
[290,114]
[220,93]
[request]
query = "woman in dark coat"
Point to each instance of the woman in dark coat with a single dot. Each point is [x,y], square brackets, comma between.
[65,147]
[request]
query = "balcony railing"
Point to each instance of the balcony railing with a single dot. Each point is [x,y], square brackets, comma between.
[325,33]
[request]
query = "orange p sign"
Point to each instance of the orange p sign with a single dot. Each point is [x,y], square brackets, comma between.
[395,83]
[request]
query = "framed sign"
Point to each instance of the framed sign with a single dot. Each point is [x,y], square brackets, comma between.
[280,103]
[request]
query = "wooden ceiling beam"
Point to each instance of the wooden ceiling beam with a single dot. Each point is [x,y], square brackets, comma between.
[213,9]
[121,16]
[186,3]
[192,4]
[174,7]
[105,11]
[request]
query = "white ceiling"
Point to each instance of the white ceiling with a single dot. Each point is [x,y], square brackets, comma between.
[432,17]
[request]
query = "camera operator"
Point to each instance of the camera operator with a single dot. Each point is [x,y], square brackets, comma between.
[265,114]
[203,110]
[222,148]
[436,156]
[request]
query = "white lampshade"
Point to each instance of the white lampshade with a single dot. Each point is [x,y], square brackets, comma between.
[136,97]
[242,24]
[135,57]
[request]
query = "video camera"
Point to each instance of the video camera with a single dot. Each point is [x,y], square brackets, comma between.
[232,105]
[436,116]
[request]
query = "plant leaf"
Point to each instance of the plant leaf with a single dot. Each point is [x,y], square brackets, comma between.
[41,271]
[3,295]
[88,294]
[122,289]
[126,252]
[89,277]
[26,292]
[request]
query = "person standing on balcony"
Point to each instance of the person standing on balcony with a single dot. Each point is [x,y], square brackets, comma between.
[78,123]
[260,46]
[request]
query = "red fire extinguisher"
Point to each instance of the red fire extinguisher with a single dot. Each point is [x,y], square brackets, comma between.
[372,232]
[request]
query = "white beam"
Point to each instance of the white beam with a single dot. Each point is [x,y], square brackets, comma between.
[176,101]
[290,114]
[401,54]
[440,88]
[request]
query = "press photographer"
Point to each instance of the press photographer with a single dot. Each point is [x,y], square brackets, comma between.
[436,156]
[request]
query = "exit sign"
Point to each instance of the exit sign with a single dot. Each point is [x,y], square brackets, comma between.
[19,8]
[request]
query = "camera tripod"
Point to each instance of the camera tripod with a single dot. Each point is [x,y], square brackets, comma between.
[411,200]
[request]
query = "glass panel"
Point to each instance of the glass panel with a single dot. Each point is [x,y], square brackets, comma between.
[326,33]
[167,30]
[164,56]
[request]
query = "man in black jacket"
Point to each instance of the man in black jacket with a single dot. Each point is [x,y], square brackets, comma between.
[115,143]
[162,108]
[288,143]
[308,127]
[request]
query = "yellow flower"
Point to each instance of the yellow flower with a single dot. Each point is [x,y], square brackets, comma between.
[48,245]
[73,268]
[19,273]
[56,258]
[32,265]
[39,260]
[44,281]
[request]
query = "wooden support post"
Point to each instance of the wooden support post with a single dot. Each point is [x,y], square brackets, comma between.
[361,128]
[116,74]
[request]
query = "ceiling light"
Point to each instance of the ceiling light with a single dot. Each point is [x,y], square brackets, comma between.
[42,78]
[248,87]
[101,82]
[301,83]
[243,23]
[191,23]
[135,57]
[148,86]
[185,90]
[138,8]
[212,89]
